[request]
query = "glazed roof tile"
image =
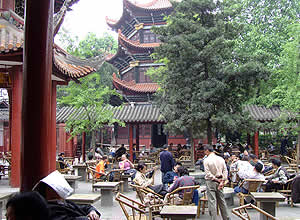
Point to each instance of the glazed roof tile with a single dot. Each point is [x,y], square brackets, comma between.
[154,5]
[12,39]
[138,113]
[11,32]
[134,87]
[262,113]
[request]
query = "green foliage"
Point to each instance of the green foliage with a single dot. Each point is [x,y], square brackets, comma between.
[205,80]
[91,96]
[91,99]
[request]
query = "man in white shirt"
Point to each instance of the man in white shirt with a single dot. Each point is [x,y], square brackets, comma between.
[254,174]
[215,176]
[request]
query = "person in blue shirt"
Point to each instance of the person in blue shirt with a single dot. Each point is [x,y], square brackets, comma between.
[169,176]
[166,161]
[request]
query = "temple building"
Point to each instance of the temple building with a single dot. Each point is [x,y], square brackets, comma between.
[32,94]
[136,43]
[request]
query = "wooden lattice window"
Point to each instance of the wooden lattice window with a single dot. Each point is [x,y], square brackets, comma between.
[19,7]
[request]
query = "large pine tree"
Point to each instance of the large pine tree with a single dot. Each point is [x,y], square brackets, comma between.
[205,81]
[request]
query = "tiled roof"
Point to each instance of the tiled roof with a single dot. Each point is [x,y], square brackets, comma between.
[152,5]
[11,32]
[124,41]
[261,113]
[140,113]
[70,65]
[133,87]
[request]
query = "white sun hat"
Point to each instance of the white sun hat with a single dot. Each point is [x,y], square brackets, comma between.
[58,183]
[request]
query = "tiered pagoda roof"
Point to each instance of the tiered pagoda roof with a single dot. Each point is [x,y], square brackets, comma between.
[132,87]
[135,14]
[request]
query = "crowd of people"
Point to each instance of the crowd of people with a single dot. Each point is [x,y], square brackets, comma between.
[220,165]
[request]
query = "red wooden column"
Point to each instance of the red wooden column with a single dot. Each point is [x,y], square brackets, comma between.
[53,126]
[9,91]
[131,142]
[36,148]
[256,148]
[137,137]
[16,111]
[83,146]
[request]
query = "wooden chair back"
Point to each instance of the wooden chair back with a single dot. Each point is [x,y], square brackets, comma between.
[117,175]
[187,194]
[63,171]
[254,184]
[132,209]
[242,212]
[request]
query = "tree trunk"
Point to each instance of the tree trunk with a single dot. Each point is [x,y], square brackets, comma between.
[298,147]
[209,131]
[192,146]
[93,143]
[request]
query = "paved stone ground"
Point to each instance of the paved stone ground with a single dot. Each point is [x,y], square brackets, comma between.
[284,211]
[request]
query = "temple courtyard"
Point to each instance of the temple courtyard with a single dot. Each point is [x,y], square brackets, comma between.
[283,211]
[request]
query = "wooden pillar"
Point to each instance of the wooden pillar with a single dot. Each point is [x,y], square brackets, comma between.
[9,91]
[256,148]
[83,146]
[36,156]
[137,137]
[53,126]
[62,138]
[15,138]
[131,142]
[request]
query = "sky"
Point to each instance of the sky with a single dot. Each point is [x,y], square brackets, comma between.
[89,16]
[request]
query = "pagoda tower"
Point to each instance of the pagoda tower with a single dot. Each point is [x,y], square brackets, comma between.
[136,43]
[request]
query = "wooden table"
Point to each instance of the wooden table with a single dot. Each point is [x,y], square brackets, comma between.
[228,195]
[106,192]
[179,212]
[80,170]
[71,179]
[3,200]
[85,199]
[267,202]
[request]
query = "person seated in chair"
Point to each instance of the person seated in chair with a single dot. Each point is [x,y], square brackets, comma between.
[278,179]
[55,189]
[100,168]
[170,176]
[127,166]
[182,180]
[61,160]
[141,180]
[255,174]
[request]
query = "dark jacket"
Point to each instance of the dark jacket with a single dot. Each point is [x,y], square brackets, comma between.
[296,190]
[66,210]
[169,177]
[166,161]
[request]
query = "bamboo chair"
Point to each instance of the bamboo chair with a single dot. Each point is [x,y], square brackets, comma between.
[117,177]
[242,212]
[287,191]
[134,210]
[292,162]
[156,202]
[187,195]
[203,201]
[254,185]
